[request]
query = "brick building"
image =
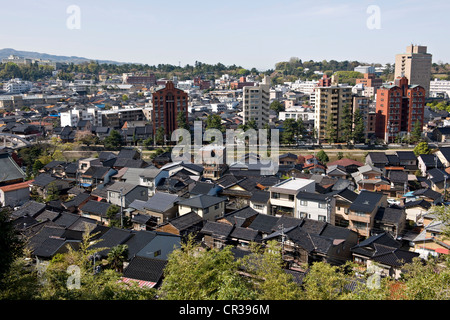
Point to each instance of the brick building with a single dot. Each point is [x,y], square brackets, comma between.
[167,103]
[399,106]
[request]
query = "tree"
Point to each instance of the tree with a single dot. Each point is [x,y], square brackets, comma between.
[181,121]
[111,214]
[11,247]
[359,127]
[266,268]
[52,192]
[159,136]
[422,148]
[347,124]
[331,133]
[416,133]
[214,121]
[114,141]
[212,275]
[289,131]
[322,156]
[277,106]
[117,256]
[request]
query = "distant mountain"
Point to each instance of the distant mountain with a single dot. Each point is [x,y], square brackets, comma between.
[5,53]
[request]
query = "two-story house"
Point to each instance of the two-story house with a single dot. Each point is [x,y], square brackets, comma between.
[283,195]
[363,210]
[123,194]
[208,207]
[316,206]
[370,178]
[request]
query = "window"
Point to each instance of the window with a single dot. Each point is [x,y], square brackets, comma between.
[291,197]
[303,215]
[303,202]
[275,195]
[322,218]
[322,205]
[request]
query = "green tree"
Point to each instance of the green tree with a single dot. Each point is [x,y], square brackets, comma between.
[52,192]
[331,133]
[271,281]
[182,121]
[347,124]
[117,256]
[111,214]
[277,106]
[214,121]
[421,148]
[416,133]
[289,131]
[159,136]
[212,275]
[114,141]
[322,156]
[359,128]
[11,246]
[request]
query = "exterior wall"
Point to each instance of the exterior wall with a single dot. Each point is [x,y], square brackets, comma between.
[256,101]
[15,197]
[260,207]
[139,193]
[316,210]
[211,213]
[167,103]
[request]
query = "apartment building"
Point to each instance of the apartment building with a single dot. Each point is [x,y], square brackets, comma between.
[72,117]
[256,103]
[167,103]
[329,106]
[399,106]
[440,87]
[16,86]
[415,65]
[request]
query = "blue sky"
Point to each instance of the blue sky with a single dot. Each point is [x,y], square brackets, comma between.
[250,33]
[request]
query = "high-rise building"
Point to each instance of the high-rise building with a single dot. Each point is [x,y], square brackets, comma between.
[329,106]
[167,103]
[399,107]
[415,65]
[256,103]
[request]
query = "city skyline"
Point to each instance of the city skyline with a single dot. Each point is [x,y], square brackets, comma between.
[250,34]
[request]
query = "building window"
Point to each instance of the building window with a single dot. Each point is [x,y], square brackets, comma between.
[322,205]
[303,202]
[322,218]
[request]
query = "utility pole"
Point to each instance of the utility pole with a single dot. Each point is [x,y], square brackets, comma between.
[121,207]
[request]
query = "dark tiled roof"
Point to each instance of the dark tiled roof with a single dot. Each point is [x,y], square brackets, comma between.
[31,208]
[111,238]
[76,201]
[202,201]
[264,223]
[246,234]
[145,269]
[260,196]
[138,241]
[366,201]
[97,208]
[186,221]
[378,157]
[240,216]
[406,155]
[217,229]
[389,215]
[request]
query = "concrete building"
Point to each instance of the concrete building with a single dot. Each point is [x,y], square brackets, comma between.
[440,87]
[329,107]
[256,103]
[16,86]
[283,195]
[415,65]
[72,117]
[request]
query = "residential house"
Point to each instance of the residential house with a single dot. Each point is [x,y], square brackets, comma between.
[260,201]
[349,165]
[415,210]
[75,202]
[438,178]
[441,134]
[10,172]
[184,225]
[310,241]
[370,178]
[377,159]
[208,207]
[288,159]
[344,199]
[383,254]
[391,220]
[426,162]
[96,176]
[15,195]
[161,206]
[408,160]
[123,194]
[86,163]
[282,195]
[96,210]
[363,210]
[316,206]
[444,156]
[45,183]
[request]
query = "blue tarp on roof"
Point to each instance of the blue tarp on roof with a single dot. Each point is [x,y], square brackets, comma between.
[409,194]
[85,185]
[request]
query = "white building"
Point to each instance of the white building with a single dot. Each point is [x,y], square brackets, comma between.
[283,195]
[365,69]
[16,86]
[440,86]
[256,103]
[306,87]
[72,117]
[315,206]
[297,112]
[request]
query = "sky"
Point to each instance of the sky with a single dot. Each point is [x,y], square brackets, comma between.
[249,33]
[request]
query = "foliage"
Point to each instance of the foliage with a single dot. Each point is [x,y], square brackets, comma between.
[159,136]
[359,127]
[422,148]
[347,124]
[322,156]
[11,247]
[182,122]
[212,275]
[277,106]
[214,121]
[416,133]
[114,141]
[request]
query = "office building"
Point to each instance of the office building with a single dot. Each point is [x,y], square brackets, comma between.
[415,65]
